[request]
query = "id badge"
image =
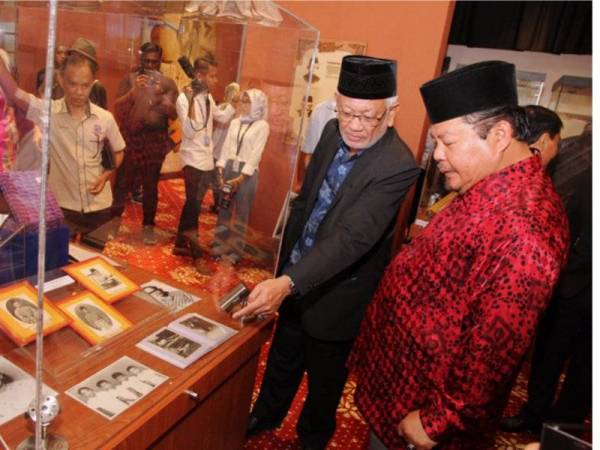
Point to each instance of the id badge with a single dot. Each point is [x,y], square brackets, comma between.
[236,165]
[206,140]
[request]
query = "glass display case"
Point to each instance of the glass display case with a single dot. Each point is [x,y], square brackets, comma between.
[258,45]
[572,100]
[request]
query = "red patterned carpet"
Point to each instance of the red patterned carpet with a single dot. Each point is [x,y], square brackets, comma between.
[351,433]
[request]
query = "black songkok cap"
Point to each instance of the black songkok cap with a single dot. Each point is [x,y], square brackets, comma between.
[367,77]
[473,88]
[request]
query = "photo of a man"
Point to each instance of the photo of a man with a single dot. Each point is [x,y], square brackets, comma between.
[94,317]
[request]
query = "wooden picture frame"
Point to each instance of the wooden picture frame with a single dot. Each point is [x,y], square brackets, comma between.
[18,313]
[97,275]
[95,320]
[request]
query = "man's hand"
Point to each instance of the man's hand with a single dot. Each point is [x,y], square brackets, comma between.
[266,297]
[236,182]
[411,429]
[100,182]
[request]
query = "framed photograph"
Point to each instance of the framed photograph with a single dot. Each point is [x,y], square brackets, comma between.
[17,389]
[173,347]
[200,328]
[95,320]
[115,388]
[18,313]
[102,279]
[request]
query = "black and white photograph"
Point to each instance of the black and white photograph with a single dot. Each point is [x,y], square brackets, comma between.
[197,326]
[116,387]
[105,280]
[174,348]
[102,279]
[94,319]
[166,295]
[17,389]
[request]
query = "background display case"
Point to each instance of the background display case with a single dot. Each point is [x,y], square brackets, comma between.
[572,100]
[258,45]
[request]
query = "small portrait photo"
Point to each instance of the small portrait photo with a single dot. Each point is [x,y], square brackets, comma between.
[115,388]
[97,275]
[197,326]
[95,320]
[17,389]
[174,343]
[18,313]
[166,295]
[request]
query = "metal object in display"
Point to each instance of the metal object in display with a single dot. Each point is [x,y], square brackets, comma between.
[48,412]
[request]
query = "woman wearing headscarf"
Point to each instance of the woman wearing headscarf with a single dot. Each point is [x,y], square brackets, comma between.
[238,165]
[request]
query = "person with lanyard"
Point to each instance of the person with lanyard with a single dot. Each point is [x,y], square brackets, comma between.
[196,110]
[237,168]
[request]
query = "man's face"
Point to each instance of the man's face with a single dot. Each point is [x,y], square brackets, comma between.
[150,61]
[61,55]
[279,98]
[105,385]
[209,77]
[362,122]
[547,146]
[25,312]
[462,156]
[86,393]
[77,81]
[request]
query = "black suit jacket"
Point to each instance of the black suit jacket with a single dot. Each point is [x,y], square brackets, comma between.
[337,277]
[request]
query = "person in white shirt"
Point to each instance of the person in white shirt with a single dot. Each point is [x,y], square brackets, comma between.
[196,110]
[237,167]
[323,113]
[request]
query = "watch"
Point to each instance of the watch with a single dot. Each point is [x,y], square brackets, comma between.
[293,288]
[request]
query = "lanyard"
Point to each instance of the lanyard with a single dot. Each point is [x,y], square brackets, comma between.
[204,118]
[240,141]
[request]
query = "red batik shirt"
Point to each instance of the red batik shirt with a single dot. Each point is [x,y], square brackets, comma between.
[456,310]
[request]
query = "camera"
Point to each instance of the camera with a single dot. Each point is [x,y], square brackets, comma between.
[227,193]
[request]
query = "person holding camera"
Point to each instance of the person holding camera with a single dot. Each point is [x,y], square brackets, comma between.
[196,110]
[145,102]
[237,167]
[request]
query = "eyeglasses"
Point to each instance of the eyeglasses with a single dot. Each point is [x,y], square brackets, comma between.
[366,121]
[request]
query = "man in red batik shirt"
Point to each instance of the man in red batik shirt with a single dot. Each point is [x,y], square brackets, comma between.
[456,310]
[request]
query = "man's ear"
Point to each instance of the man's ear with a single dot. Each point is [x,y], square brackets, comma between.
[392,115]
[500,136]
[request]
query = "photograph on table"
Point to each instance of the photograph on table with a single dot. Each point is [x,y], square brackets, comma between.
[92,318]
[17,389]
[102,279]
[115,388]
[18,313]
[166,295]
[174,348]
[199,327]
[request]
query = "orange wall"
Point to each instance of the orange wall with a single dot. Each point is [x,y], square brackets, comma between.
[414,33]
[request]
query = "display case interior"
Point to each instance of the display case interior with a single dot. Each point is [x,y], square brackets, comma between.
[257,46]
[572,100]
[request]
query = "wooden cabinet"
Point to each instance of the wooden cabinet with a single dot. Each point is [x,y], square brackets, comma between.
[204,407]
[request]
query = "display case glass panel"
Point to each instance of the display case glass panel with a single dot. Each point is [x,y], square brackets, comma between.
[257,45]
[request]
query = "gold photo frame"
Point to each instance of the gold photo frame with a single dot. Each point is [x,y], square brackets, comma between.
[102,279]
[95,320]
[18,313]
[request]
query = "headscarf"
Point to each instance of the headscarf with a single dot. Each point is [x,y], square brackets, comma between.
[258,105]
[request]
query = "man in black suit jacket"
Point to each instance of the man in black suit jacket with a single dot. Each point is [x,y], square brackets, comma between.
[565,330]
[336,246]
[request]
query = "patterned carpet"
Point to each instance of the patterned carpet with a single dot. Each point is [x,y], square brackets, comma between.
[351,433]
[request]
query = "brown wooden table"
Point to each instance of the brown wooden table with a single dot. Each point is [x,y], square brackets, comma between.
[169,417]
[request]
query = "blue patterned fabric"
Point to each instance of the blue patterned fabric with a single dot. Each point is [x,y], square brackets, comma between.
[339,168]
